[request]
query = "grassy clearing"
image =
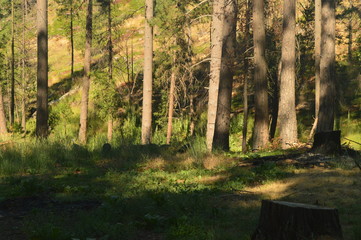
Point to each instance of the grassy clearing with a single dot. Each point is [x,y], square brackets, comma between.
[151,192]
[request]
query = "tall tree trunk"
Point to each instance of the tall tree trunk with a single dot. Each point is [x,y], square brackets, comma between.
[148,74]
[42,112]
[110,66]
[171,104]
[287,121]
[23,99]
[221,135]
[245,83]
[215,69]
[12,87]
[317,62]
[72,39]
[327,71]
[260,131]
[86,79]
[3,129]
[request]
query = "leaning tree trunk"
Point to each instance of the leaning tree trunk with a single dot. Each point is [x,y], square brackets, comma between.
[223,119]
[295,221]
[327,72]
[260,131]
[287,121]
[148,74]
[42,113]
[86,79]
[215,69]
[171,105]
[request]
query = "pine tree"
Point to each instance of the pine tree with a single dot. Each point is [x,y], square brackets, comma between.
[260,131]
[287,121]
[42,113]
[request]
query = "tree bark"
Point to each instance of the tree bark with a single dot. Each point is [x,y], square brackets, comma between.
[327,72]
[86,79]
[171,105]
[221,135]
[148,74]
[286,220]
[275,102]
[3,129]
[12,85]
[317,63]
[287,121]
[215,69]
[110,129]
[260,131]
[110,67]
[245,77]
[42,113]
[23,99]
[72,39]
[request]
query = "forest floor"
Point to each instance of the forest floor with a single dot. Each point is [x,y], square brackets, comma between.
[174,196]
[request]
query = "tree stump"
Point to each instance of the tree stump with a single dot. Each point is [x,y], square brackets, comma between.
[295,221]
[327,142]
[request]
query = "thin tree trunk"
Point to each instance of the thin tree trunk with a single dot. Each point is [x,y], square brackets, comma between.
[72,39]
[12,87]
[327,71]
[42,112]
[287,112]
[260,131]
[86,79]
[110,65]
[171,104]
[245,83]
[317,63]
[148,74]
[350,41]
[221,135]
[215,69]
[3,129]
[275,101]
[110,129]
[23,99]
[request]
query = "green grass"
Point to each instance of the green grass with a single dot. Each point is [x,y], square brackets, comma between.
[133,192]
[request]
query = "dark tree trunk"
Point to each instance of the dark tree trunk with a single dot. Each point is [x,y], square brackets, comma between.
[72,39]
[245,77]
[260,131]
[221,134]
[148,74]
[327,142]
[86,79]
[326,113]
[296,221]
[287,121]
[275,102]
[110,68]
[317,63]
[42,113]
[12,85]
